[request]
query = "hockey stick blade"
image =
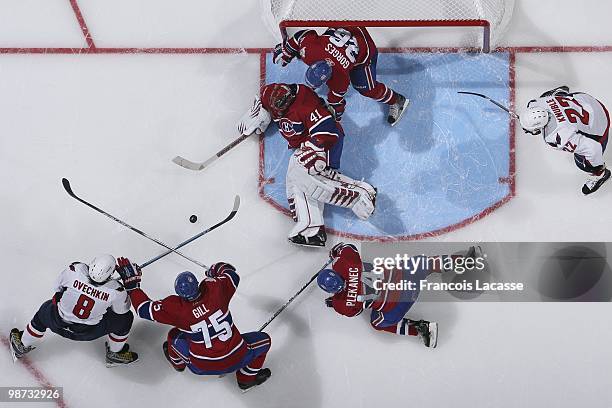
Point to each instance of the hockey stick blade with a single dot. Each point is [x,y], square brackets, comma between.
[493,101]
[188,164]
[231,215]
[71,193]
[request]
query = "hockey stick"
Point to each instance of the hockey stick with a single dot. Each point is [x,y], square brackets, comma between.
[206,231]
[188,164]
[494,102]
[287,303]
[68,189]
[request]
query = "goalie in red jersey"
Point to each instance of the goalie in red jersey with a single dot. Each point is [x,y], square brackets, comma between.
[312,176]
[353,291]
[204,337]
[339,57]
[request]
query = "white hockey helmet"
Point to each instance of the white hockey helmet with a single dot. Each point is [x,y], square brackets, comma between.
[101,268]
[534,119]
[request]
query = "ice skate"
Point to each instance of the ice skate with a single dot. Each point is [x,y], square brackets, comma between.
[121,357]
[428,332]
[317,240]
[396,111]
[17,348]
[593,183]
[260,378]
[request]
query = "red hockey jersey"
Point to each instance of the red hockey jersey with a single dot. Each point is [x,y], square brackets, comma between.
[215,342]
[345,48]
[307,119]
[348,265]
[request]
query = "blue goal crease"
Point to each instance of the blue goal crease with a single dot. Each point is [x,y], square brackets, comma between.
[443,164]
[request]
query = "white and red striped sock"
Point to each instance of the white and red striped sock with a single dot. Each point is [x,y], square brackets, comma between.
[31,336]
[116,342]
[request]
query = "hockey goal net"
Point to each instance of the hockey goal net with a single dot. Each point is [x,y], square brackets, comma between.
[492,16]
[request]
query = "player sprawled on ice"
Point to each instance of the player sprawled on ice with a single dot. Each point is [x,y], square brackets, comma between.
[204,337]
[312,176]
[574,122]
[88,304]
[339,57]
[353,290]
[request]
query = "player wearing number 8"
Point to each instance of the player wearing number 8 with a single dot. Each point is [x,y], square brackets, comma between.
[88,304]
[353,57]
[204,337]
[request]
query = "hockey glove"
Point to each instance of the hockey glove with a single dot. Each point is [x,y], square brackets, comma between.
[219,269]
[313,158]
[256,120]
[335,251]
[281,55]
[130,274]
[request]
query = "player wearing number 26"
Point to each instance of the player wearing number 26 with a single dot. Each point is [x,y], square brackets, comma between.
[204,337]
[352,56]
[87,305]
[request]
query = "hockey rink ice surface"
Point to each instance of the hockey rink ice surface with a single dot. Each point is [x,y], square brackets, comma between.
[105,93]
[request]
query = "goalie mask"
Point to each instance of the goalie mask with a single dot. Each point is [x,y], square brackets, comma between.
[277,98]
[534,119]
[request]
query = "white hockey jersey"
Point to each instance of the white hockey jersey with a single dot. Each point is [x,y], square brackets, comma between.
[579,124]
[84,301]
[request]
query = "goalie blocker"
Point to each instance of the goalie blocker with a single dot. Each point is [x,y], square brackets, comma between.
[312,179]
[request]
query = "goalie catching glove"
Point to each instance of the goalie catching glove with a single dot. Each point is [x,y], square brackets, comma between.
[256,120]
[313,158]
[130,273]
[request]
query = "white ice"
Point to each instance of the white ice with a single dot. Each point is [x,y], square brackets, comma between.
[111,124]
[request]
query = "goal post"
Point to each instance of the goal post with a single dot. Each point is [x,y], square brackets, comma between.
[493,16]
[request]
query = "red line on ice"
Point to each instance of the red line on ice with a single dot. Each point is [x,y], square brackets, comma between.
[35,372]
[84,29]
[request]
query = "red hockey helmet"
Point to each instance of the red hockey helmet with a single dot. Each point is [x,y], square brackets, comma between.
[277,98]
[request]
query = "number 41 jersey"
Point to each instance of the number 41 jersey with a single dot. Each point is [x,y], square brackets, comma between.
[214,341]
[83,301]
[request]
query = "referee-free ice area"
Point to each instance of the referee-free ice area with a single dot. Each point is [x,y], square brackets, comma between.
[111,122]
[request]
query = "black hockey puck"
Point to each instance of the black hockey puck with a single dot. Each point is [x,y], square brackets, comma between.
[193,218]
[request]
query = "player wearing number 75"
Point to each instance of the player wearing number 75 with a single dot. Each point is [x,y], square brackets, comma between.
[573,122]
[204,337]
[87,305]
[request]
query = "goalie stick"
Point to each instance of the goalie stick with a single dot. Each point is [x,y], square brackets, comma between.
[292,298]
[71,193]
[493,101]
[188,164]
[206,231]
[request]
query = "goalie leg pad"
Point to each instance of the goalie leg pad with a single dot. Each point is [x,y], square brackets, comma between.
[307,213]
[360,185]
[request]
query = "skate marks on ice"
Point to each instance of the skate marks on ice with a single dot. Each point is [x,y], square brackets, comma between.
[446,163]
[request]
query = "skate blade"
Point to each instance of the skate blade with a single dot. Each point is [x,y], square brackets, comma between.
[110,364]
[433,335]
[404,108]
[249,389]
[13,355]
[306,245]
